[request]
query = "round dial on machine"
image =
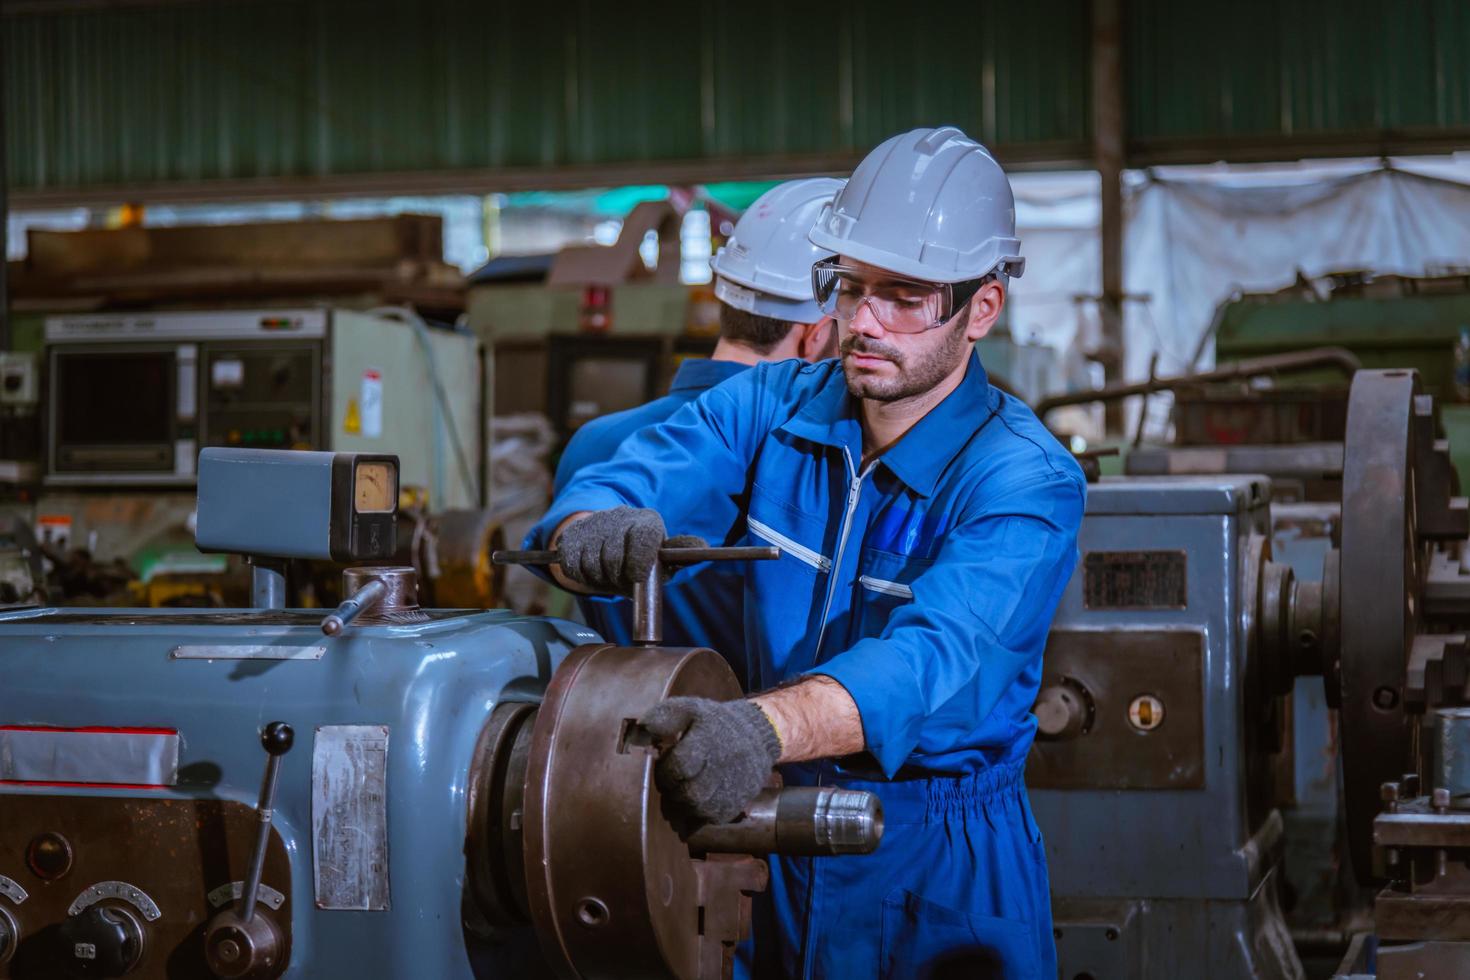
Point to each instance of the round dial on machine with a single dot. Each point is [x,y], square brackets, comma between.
[101,941]
[374,488]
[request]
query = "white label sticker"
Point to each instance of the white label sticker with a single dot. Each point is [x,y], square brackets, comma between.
[227,373]
[372,403]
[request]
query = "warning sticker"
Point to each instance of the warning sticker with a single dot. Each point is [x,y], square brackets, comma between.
[352,420]
[54,530]
[372,403]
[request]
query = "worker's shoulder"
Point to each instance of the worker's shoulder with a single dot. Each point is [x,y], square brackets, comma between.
[1014,451]
[598,440]
[779,387]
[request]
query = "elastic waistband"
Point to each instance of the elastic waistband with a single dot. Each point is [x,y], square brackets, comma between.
[921,800]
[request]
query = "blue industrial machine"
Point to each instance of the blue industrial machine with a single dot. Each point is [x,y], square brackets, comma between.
[1163,753]
[446,793]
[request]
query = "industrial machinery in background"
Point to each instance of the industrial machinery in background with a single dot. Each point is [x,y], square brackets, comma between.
[447,793]
[1164,749]
[131,398]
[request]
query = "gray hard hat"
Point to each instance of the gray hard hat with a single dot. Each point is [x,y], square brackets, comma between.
[766,266]
[930,204]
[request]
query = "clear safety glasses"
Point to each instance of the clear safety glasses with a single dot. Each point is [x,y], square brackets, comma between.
[900,305]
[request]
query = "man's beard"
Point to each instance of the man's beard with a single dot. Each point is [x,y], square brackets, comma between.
[916,375]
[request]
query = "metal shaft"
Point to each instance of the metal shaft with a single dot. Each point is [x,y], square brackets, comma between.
[648,608]
[666,556]
[267,583]
[354,605]
[800,820]
[262,838]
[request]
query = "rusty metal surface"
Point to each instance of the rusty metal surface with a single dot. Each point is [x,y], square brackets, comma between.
[633,906]
[1116,667]
[496,879]
[1379,578]
[1338,357]
[174,851]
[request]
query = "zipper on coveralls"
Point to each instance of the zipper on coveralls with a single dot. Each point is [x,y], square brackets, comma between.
[854,490]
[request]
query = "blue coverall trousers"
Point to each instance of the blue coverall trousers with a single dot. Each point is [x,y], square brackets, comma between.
[957,889]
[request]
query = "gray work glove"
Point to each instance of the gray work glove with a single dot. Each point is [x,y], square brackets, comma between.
[715,755]
[613,550]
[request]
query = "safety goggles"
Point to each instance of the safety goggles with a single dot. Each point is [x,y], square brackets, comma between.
[901,305]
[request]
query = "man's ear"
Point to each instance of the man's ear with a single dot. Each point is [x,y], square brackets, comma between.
[812,338]
[985,307]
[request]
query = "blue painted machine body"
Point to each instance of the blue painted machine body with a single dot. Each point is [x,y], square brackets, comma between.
[432,685]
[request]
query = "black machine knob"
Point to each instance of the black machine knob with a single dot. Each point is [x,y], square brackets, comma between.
[277,738]
[101,941]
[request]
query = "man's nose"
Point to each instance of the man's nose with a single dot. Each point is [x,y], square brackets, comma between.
[864,322]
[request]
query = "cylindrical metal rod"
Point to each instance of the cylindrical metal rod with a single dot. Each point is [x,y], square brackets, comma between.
[799,820]
[267,583]
[666,556]
[277,739]
[354,605]
[648,608]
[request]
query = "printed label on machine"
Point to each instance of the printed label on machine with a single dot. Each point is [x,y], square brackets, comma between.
[372,403]
[349,817]
[1134,580]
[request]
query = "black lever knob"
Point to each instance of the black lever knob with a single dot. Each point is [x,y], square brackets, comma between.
[239,945]
[277,738]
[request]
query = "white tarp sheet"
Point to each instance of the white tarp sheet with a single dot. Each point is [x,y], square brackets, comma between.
[1195,235]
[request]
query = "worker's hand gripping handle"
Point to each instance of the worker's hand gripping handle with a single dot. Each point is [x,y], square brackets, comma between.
[648,594]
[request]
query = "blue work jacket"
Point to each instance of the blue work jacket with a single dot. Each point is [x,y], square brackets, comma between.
[702,606]
[923,582]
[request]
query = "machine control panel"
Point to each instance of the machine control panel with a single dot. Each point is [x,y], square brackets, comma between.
[98,900]
[1120,709]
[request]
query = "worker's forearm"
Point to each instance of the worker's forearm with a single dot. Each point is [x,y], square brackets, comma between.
[815,719]
[551,543]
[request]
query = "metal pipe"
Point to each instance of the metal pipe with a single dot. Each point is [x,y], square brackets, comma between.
[267,583]
[648,608]
[800,820]
[666,556]
[1339,357]
[354,605]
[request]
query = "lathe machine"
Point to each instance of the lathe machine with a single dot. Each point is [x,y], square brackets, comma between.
[446,793]
[1163,750]
[471,795]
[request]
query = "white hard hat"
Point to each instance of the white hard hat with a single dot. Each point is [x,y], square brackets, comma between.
[930,204]
[766,266]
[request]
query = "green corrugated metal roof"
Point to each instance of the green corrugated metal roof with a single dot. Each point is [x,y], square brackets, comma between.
[244,90]
[140,94]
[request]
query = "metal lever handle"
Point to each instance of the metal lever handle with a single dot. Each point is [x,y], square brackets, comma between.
[648,597]
[276,739]
[353,606]
[666,556]
[799,820]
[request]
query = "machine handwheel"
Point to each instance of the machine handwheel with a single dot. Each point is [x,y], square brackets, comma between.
[1381,574]
[612,888]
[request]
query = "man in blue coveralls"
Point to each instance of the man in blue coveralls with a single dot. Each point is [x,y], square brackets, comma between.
[764,284]
[927,525]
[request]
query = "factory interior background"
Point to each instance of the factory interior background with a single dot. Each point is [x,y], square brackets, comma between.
[451,233]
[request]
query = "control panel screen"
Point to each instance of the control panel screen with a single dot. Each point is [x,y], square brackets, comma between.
[115,398]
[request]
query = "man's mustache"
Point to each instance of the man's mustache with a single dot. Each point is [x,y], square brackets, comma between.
[855,344]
